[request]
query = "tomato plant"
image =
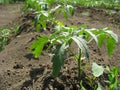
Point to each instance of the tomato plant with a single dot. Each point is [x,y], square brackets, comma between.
[45,14]
[63,37]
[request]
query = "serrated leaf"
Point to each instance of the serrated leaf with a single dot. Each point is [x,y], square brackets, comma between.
[58,59]
[97,70]
[110,45]
[38,45]
[101,38]
[93,35]
[82,45]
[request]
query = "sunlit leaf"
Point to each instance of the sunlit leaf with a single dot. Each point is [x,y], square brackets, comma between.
[38,45]
[71,9]
[92,34]
[82,45]
[64,12]
[55,9]
[110,45]
[97,70]
[114,36]
[99,87]
[101,39]
[45,13]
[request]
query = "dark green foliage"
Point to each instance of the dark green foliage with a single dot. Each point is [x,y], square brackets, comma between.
[58,59]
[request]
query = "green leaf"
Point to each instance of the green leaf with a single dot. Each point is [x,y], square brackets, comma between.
[71,9]
[97,70]
[110,45]
[65,14]
[114,36]
[82,45]
[93,35]
[111,87]
[55,9]
[37,27]
[58,59]
[38,45]
[99,87]
[82,87]
[37,23]
[45,13]
[101,38]
[44,24]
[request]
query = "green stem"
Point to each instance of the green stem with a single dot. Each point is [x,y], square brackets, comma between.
[79,61]
[79,64]
[75,56]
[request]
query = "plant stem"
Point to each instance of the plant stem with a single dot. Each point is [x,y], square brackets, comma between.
[75,56]
[79,64]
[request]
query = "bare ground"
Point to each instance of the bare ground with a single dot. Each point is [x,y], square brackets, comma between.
[19,70]
[8,13]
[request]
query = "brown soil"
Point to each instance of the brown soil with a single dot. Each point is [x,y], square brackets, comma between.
[19,70]
[8,13]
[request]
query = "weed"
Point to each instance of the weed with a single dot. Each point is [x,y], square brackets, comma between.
[4,37]
[113,78]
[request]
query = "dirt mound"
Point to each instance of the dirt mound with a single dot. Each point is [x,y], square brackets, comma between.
[21,71]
